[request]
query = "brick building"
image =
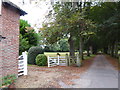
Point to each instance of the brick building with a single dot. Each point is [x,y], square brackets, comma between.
[9,37]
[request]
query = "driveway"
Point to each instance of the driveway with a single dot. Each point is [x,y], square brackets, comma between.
[96,72]
[100,74]
[44,77]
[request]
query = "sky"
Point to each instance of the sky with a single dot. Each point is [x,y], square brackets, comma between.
[36,12]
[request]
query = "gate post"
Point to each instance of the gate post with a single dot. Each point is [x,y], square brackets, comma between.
[118,58]
[67,60]
[48,61]
[78,61]
[25,62]
[58,60]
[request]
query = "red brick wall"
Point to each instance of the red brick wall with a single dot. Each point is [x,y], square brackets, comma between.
[0,48]
[10,45]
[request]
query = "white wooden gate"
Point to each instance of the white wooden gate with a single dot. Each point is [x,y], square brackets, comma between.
[58,60]
[22,64]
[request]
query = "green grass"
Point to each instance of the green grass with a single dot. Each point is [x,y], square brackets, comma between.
[119,52]
[63,54]
[29,64]
[87,57]
[55,53]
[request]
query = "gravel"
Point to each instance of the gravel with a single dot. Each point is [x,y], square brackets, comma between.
[44,77]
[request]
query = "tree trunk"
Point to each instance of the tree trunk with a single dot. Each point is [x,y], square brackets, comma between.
[108,50]
[88,54]
[71,43]
[112,51]
[91,49]
[81,48]
[116,50]
[105,50]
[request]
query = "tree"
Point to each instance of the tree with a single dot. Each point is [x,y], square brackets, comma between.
[23,25]
[31,36]
[23,44]
[108,26]
[28,36]
[68,22]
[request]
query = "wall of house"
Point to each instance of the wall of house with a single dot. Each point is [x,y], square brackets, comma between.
[10,45]
[0,48]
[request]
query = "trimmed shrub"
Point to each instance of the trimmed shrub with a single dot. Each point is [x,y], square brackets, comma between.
[32,53]
[41,60]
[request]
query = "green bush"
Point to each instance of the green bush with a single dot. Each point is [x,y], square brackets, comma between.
[7,80]
[32,53]
[41,60]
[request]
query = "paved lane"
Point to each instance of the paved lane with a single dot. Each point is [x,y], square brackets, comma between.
[101,74]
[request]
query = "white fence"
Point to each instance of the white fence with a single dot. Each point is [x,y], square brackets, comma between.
[58,60]
[64,61]
[22,64]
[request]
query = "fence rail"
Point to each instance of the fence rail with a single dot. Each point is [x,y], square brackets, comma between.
[55,61]
[63,61]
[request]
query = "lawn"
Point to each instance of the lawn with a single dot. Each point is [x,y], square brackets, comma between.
[61,53]
[55,53]
[87,57]
[64,53]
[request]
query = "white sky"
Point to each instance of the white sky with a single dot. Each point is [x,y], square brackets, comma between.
[36,13]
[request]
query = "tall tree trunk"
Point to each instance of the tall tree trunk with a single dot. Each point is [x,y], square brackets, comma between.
[81,48]
[91,49]
[71,43]
[105,50]
[116,50]
[88,53]
[112,50]
[108,50]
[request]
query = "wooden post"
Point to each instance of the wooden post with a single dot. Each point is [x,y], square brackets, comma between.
[78,61]
[119,62]
[67,60]
[48,61]
[25,62]
[119,59]
[58,60]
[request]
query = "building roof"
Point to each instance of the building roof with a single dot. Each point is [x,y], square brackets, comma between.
[9,3]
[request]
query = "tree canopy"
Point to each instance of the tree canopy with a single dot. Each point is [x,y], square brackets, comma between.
[28,36]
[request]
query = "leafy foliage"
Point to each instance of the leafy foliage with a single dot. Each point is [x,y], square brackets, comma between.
[107,15]
[41,60]
[32,53]
[23,44]
[60,46]
[23,25]
[9,79]
[28,36]
[64,46]
[68,22]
